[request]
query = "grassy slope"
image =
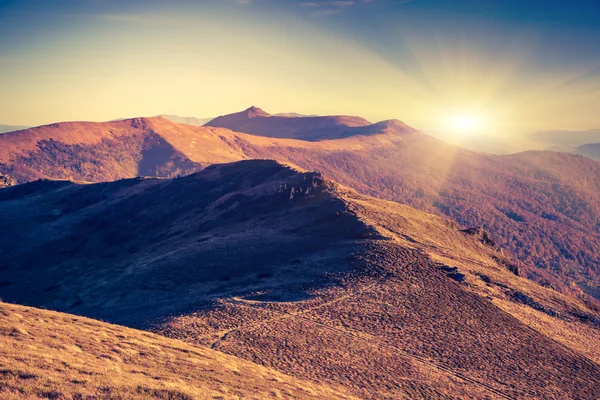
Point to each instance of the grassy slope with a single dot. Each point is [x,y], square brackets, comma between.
[45,354]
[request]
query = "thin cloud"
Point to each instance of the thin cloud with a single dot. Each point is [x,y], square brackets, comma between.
[323,8]
[331,7]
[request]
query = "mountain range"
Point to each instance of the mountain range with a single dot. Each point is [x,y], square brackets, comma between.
[286,269]
[258,122]
[567,139]
[543,207]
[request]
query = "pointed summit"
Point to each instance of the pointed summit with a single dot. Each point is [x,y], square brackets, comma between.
[237,120]
[254,112]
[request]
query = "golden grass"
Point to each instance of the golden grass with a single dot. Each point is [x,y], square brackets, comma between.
[45,354]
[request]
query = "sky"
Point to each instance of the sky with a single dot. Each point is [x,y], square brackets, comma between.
[503,67]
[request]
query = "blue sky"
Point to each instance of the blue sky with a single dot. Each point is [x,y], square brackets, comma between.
[528,64]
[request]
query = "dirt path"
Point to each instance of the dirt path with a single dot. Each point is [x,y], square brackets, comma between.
[356,334]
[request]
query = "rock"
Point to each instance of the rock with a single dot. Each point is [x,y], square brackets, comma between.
[515,269]
[6,181]
[453,273]
[482,236]
[18,331]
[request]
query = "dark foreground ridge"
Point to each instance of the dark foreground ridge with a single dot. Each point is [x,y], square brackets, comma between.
[217,231]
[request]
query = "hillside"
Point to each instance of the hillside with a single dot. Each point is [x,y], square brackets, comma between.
[106,151]
[50,355]
[295,272]
[543,207]
[178,238]
[313,128]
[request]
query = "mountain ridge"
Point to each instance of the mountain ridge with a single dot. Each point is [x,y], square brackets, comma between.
[542,206]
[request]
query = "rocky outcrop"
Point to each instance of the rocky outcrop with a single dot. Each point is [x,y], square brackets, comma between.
[6,181]
[482,236]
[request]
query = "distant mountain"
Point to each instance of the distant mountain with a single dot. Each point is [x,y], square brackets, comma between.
[293,114]
[10,128]
[566,139]
[122,363]
[544,207]
[486,143]
[288,269]
[591,150]
[185,120]
[258,122]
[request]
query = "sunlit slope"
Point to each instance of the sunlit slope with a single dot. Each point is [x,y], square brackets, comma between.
[50,355]
[107,151]
[96,152]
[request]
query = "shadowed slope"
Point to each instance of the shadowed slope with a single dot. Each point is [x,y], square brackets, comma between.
[225,228]
[49,355]
[298,273]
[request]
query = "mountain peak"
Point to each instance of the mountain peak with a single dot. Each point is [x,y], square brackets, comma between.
[254,112]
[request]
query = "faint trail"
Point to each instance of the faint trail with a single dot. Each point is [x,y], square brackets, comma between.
[381,343]
[252,304]
[280,315]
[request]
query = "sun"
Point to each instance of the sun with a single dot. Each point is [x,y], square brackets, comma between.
[465,122]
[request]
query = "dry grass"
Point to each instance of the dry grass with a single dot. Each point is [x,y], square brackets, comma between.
[45,354]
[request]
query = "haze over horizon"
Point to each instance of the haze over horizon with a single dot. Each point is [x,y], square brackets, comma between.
[498,69]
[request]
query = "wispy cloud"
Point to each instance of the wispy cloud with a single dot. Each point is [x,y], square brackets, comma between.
[139,19]
[322,8]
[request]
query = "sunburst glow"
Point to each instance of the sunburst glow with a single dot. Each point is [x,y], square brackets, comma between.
[466,122]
